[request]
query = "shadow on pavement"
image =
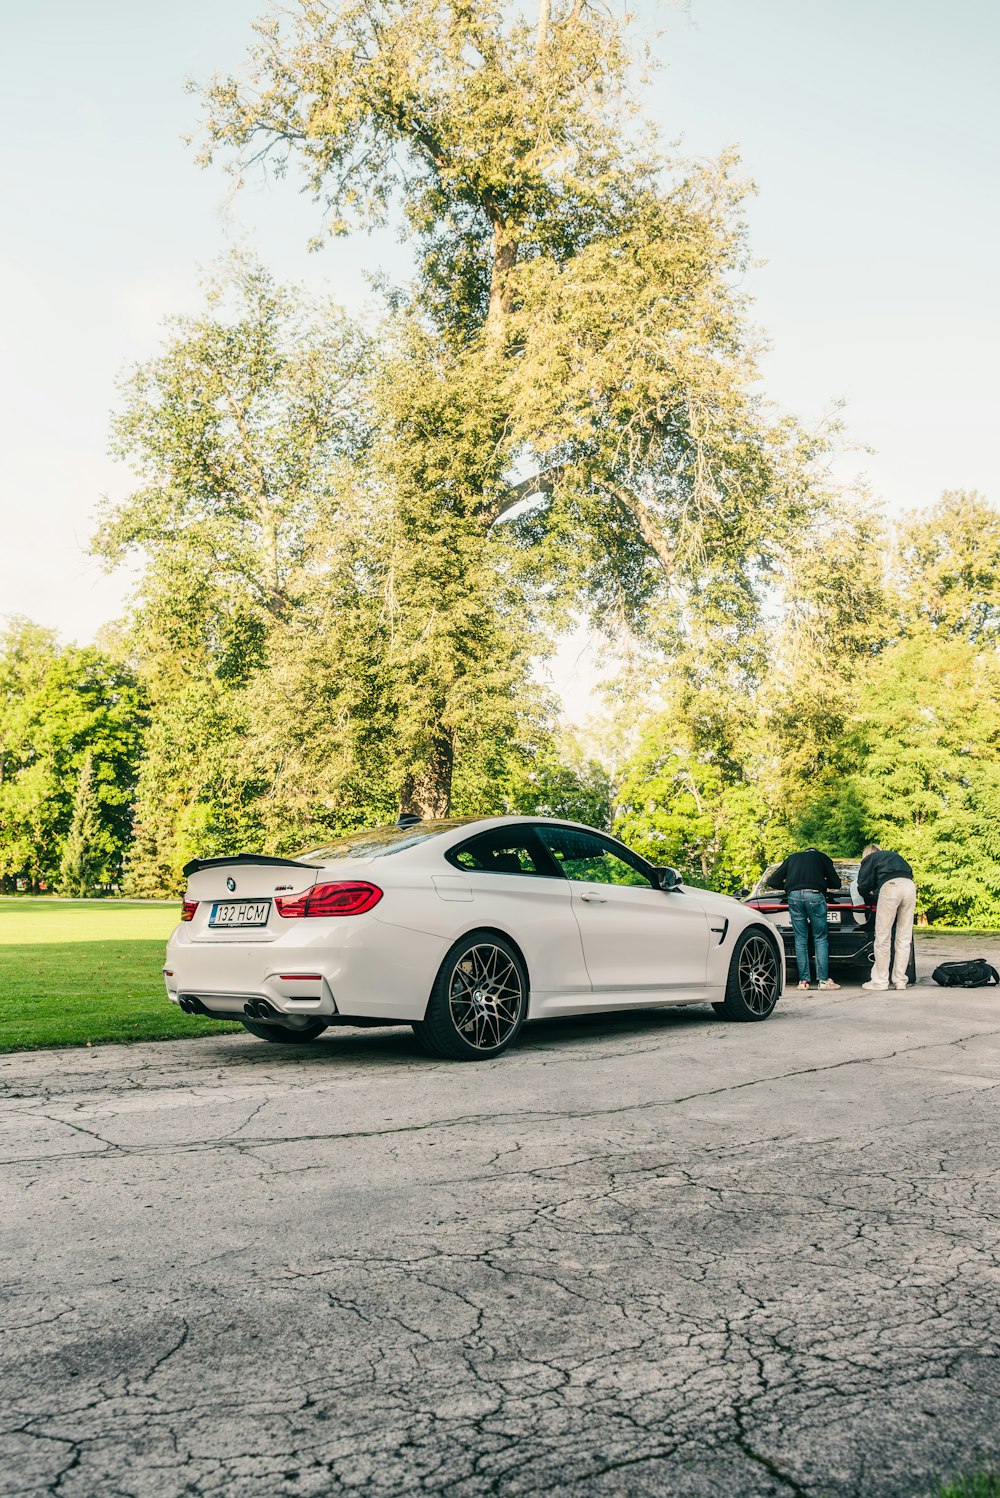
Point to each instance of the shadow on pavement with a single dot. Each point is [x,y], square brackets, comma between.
[399,1044]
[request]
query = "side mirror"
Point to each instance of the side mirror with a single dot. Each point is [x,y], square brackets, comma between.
[669,878]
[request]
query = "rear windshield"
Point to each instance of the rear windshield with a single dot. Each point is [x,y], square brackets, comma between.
[378,842]
[848,872]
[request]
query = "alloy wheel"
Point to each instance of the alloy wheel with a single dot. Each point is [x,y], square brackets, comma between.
[485,996]
[758,975]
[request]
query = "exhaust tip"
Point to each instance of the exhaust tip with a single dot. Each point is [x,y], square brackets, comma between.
[259,1009]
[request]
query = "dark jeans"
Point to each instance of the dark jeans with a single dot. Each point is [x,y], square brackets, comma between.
[808,909]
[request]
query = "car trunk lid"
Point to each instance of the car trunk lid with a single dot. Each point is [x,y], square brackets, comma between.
[235,896]
[246,876]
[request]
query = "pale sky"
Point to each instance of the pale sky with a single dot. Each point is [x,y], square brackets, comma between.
[869,126]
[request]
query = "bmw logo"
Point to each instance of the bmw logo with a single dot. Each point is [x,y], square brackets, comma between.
[231,883]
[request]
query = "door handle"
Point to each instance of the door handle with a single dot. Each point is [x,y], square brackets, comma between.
[595,899]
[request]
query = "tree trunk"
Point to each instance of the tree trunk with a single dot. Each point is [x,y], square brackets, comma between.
[544,17]
[504,260]
[426,792]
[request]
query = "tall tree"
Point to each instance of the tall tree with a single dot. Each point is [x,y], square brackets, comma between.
[57,707]
[572,332]
[85,851]
[244,431]
[303,630]
[920,771]
[27,654]
[948,566]
[834,616]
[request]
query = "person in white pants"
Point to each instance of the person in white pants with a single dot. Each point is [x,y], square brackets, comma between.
[886,880]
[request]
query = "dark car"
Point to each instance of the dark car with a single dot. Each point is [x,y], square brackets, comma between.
[850,923]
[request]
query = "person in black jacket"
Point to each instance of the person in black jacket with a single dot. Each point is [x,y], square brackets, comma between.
[885,880]
[805,877]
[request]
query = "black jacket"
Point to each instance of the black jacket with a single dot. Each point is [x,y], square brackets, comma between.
[806,870]
[876,869]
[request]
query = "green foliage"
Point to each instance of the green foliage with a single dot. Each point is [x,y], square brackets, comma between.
[59,708]
[835,619]
[949,567]
[86,849]
[460,620]
[873,719]
[558,780]
[246,430]
[984,1484]
[197,785]
[240,429]
[314,624]
[682,803]
[921,774]
[573,313]
[477,121]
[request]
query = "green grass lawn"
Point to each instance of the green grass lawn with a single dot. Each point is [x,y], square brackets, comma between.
[988,933]
[979,1485]
[73,971]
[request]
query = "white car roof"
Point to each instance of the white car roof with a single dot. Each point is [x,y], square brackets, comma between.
[379,842]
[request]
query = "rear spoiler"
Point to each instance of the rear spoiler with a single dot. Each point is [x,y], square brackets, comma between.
[197,864]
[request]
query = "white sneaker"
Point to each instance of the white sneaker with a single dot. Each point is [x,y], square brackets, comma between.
[876,987]
[901,985]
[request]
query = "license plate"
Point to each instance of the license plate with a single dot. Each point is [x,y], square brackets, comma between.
[833,918]
[240,913]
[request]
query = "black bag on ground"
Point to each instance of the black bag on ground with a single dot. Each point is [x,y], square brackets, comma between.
[977,973]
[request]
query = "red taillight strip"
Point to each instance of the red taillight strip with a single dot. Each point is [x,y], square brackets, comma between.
[188,908]
[345,897]
[831,905]
[301,977]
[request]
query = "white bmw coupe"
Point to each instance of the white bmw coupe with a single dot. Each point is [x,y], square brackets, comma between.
[463,929]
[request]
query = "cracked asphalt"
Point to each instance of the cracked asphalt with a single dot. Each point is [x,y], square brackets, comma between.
[654,1254]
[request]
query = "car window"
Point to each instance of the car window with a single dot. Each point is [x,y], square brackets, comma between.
[503,850]
[586,856]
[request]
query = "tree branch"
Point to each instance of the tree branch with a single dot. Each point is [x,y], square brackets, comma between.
[539,483]
[649,530]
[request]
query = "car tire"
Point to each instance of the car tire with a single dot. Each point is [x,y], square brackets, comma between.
[479,1000]
[281,1035]
[754,983]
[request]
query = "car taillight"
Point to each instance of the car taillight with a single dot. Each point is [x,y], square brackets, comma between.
[347,897]
[188,908]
